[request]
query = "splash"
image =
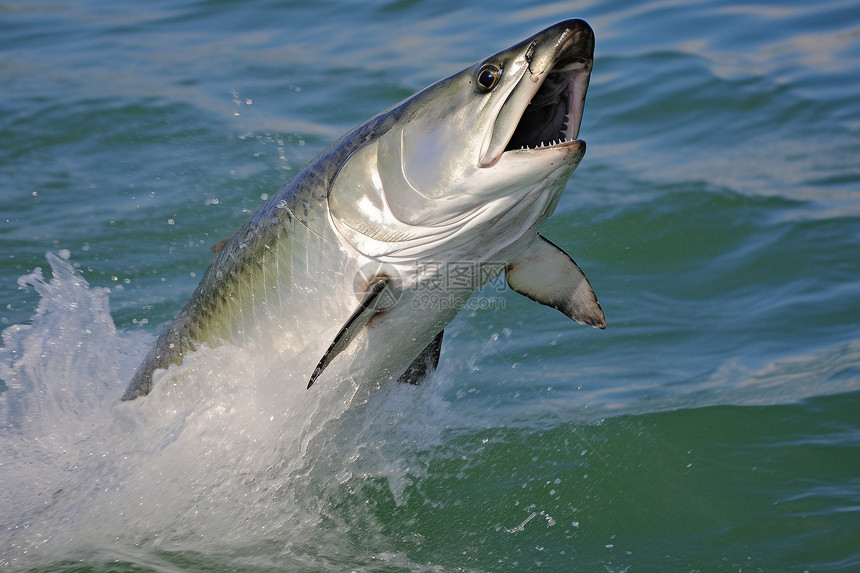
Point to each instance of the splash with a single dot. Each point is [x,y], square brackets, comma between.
[230,463]
[228,453]
[69,353]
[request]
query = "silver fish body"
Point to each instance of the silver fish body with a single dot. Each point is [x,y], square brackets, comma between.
[439,194]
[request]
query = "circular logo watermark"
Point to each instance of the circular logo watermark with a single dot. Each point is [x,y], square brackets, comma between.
[380,276]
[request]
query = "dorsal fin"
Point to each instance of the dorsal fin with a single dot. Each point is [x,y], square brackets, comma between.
[220,244]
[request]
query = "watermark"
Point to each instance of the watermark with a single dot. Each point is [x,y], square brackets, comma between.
[382,276]
[440,302]
[432,285]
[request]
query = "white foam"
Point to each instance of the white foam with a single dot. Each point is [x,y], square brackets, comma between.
[228,451]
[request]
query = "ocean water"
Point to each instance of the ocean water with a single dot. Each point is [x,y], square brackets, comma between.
[714,425]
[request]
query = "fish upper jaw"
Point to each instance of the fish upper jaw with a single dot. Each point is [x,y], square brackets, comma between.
[543,110]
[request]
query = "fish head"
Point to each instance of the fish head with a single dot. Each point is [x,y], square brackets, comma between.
[476,142]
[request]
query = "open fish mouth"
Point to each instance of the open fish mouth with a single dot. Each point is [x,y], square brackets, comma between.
[543,110]
[554,115]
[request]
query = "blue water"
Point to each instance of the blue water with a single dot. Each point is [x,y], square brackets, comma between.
[714,425]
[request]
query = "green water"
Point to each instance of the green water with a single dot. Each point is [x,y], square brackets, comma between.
[715,424]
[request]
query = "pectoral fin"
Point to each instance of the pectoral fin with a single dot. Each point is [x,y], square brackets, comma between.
[424,363]
[548,275]
[358,320]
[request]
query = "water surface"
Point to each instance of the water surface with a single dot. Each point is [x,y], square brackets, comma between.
[713,426]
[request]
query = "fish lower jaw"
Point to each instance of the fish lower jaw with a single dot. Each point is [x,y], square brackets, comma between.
[552,144]
[544,145]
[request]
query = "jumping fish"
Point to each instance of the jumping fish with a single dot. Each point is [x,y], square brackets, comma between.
[440,194]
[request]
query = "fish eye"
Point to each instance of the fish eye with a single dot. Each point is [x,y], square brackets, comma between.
[488,76]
